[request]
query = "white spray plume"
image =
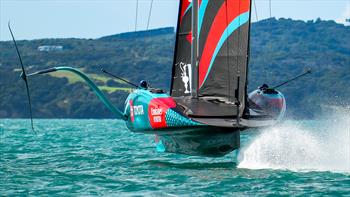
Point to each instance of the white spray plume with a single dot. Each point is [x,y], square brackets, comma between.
[322,145]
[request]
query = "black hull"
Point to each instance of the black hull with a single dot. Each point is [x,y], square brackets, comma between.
[209,142]
[205,141]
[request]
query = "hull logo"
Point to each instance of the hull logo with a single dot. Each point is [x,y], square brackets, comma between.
[157,111]
[157,114]
[131,111]
[138,110]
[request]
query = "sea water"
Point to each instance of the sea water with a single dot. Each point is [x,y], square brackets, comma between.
[101,157]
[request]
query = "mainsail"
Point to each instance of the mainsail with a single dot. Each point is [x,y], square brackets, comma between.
[223,47]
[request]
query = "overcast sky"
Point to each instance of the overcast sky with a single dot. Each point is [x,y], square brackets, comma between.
[34,19]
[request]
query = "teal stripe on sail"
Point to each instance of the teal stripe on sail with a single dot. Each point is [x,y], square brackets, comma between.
[201,13]
[188,8]
[235,24]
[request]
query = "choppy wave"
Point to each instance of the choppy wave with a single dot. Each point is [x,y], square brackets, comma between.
[320,146]
[102,158]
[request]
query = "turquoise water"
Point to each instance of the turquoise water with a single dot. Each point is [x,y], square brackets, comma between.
[100,157]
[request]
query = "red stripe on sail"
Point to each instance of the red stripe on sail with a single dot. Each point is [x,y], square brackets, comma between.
[218,27]
[184,6]
[189,37]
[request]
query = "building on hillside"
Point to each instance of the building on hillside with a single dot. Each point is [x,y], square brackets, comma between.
[48,48]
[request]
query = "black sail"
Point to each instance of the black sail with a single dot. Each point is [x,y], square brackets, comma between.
[223,48]
[182,59]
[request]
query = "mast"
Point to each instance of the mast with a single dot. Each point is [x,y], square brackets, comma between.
[194,50]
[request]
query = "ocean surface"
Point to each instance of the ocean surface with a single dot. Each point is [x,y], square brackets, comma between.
[101,157]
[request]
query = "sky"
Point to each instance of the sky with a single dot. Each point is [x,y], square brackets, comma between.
[35,19]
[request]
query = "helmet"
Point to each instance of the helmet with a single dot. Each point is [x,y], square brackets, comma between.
[143,84]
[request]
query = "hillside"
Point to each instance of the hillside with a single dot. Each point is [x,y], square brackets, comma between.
[280,49]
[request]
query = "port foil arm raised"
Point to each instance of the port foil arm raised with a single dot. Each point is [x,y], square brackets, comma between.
[90,83]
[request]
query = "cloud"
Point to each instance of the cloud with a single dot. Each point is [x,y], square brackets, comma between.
[345,18]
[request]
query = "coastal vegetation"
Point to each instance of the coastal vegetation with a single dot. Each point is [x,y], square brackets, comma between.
[280,49]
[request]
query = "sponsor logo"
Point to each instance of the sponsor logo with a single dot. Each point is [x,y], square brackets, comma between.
[157,114]
[132,117]
[156,111]
[157,119]
[186,76]
[138,110]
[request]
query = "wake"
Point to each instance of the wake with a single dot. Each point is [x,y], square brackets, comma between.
[322,145]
